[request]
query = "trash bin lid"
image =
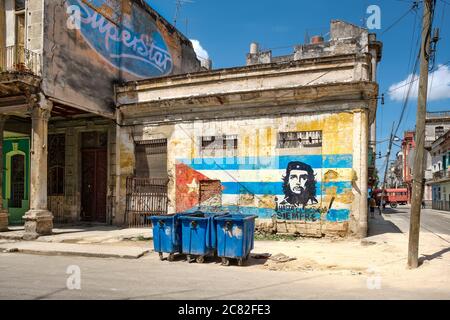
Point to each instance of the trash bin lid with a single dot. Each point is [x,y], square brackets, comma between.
[237,217]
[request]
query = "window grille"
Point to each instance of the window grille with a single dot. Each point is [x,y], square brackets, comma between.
[298,139]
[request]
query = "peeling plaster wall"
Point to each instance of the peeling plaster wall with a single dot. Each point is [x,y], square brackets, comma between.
[256,187]
[126,163]
[34,17]
[111,41]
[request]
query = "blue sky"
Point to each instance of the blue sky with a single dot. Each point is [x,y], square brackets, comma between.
[225,29]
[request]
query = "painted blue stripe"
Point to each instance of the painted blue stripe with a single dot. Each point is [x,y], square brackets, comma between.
[274,162]
[338,215]
[276,188]
[334,215]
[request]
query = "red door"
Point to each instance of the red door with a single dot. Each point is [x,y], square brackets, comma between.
[93,185]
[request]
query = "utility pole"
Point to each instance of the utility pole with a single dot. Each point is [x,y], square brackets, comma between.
[418,171]
[383,192]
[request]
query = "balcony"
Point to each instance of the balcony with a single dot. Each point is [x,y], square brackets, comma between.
[441,175]
[17,59]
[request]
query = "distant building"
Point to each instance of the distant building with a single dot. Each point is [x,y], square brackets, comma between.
[436,124]
[395,175]
[440,154]
[408,150]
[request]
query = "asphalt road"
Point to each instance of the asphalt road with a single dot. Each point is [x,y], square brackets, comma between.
[25,276]
[437,222]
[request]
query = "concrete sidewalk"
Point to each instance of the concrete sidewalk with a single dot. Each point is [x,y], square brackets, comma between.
[84,234]
[85,241]
[67,249]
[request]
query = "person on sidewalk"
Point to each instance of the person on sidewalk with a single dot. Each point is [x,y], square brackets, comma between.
[372,204]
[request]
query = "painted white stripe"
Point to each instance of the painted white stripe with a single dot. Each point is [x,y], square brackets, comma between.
[267,175]
[234,199]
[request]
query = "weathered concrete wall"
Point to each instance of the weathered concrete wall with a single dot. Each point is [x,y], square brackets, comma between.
[34,16]
[126,162]
[90,45]
[10,19]
[72,201]
[2,25]
[252,178]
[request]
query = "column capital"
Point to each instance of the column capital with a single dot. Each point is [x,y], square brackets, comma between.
[39,107]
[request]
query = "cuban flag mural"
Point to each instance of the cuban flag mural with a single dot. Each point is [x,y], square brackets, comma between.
[300,187]
[126,38]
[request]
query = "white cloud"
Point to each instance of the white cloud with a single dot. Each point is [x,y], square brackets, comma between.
[202,54]
[438,85]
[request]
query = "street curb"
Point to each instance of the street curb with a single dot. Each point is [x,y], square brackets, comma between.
[17,249]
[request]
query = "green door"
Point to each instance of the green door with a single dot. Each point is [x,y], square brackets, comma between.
[16,178]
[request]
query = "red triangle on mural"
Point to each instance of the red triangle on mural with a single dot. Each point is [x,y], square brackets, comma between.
[187,187]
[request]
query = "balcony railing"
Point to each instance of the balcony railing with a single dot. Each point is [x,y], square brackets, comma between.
[20,59]
[443,174]
[438,114]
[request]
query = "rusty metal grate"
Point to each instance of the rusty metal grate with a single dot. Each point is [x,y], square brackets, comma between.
[146,197]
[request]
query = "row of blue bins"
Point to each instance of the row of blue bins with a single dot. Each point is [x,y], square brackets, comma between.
[203,234]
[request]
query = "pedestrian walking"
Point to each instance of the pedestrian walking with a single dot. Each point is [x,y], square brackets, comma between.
[372,204]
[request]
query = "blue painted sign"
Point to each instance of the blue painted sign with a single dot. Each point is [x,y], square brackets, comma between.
[142,53]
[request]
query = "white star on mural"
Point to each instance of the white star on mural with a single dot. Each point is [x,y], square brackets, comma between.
[193,186]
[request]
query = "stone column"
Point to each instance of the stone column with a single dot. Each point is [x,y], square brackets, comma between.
[38,220]
[364,145]
[3,212]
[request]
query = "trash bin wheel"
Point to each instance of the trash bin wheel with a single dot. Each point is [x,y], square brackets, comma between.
[240,262]
[200,259]
[171,257]
[225,262]
[161,257]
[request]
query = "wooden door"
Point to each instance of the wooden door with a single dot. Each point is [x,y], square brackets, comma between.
[93,185]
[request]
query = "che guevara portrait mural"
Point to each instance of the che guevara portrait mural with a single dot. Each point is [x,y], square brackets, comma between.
[299,185]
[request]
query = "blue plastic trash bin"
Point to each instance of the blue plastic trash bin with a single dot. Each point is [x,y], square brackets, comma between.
[198,235]
[235,237]
[167,235]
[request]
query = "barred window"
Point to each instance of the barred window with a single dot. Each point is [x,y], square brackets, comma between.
[155,146]
[219,142]
[439,131]
[151,158]
[299,139]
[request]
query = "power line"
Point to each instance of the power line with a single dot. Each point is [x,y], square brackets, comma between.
[414,6]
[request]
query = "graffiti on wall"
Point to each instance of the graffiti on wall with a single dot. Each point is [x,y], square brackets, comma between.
[299,185]
[299,188]
[124,42]
[291,187]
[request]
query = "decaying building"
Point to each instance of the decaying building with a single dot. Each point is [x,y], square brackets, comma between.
[106,115]
[59,61]
[285,138]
